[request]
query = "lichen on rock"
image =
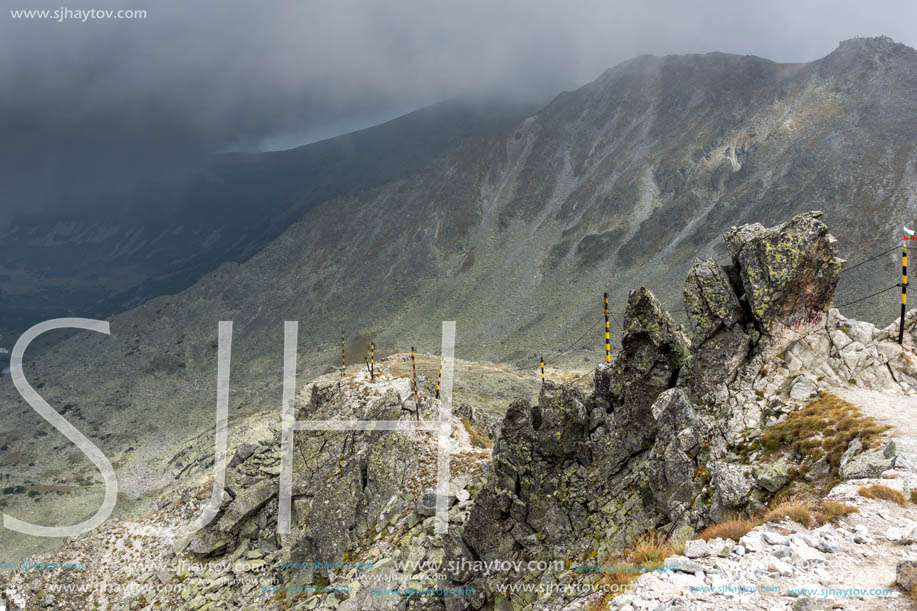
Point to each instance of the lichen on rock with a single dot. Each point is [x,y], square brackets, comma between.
[788,268]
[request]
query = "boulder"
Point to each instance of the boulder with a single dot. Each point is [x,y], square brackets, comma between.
[788,269]
[906,574]
[852,448]
[773,475]
[697,548]
[867,465]
[247,502]
[654,348]
[731,489]
[710,302]
[904,451]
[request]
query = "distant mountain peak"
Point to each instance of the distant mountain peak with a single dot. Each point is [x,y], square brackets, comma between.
[864,52]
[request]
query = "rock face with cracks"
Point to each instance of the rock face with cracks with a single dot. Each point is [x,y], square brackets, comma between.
[785,269]
[669,440]
[577,476]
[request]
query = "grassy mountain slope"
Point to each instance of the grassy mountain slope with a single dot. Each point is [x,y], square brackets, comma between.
[97,258]
[616,185]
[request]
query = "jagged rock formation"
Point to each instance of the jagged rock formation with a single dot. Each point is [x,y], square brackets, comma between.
[621,183]
[669,440]
[790,268]
[575,476]
[849,564]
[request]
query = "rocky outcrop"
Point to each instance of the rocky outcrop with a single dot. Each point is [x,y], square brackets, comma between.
[719,342]
[783,273]
[787,269]
[846,563]
[654,349]
[620,462]
[576,476]
[669,440]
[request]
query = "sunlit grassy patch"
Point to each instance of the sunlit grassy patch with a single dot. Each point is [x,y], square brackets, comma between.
[478,438]
[883,493]
[824,427]
[797,512]
[647,553]
[732,528]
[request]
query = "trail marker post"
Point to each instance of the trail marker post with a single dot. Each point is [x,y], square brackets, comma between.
[372,361]
[542,370]
[414,381]
[439,378]
[343,368]
[903,292]
[607,333]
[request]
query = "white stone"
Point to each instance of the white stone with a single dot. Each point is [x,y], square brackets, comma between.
[805,553]
[753,541]
[779,566]
[775,538]
[720,547]
[828,545]
[697,548]
[802,539]
[854,355]
[861,331]
[802,390]
[840,339]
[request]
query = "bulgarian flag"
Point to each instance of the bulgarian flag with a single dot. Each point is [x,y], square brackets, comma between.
[909,234]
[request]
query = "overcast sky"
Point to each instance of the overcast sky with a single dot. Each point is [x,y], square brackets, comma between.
[86,102]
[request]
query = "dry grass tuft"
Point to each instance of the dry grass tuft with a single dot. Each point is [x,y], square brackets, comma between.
[914,496]
[648,552]
[734,528]
[795,511]
[831,510]
[806,514]
[824,427]
[883,493]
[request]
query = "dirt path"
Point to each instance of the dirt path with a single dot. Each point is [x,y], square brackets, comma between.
[896,410]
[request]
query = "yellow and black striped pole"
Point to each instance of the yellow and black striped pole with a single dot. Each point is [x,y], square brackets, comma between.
[343,368]
[903,292]
[372,361]
[607,333]
[414,375]
[542,370]
[439,378]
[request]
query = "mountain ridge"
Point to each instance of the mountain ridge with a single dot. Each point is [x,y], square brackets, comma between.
[515,237]
[99,258]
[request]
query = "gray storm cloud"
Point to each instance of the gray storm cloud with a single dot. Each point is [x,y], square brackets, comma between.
[93,105]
